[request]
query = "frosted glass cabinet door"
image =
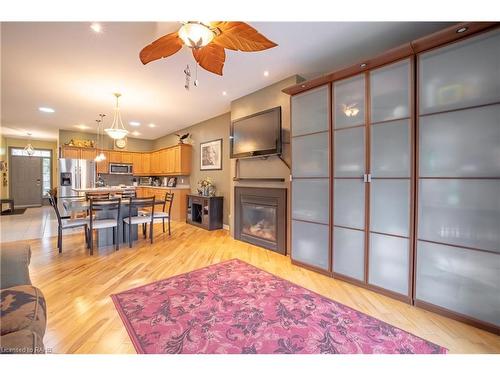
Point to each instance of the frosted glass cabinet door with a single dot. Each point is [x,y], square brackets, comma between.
[390,92]
[349,146]
[465,281]
[310,156]
[349,203]
[460,212]
[389,262]
[349,252]
[310,200]
[390,206]
[349,102]
[390,149]
[310,111]
[310,243]
[460,75]
[463,143]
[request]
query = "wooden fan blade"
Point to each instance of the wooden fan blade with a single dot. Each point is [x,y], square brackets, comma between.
[240,36]
[211,57]
[165,46]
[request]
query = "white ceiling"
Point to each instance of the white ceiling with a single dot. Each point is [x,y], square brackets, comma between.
[68,67]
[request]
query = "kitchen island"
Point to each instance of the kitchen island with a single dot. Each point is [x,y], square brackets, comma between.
[179,205]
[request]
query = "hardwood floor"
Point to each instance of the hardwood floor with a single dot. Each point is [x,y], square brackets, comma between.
[83,319]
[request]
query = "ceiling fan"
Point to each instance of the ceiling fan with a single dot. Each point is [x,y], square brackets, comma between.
[208,42]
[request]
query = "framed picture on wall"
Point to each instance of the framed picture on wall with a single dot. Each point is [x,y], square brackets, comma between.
[211,155]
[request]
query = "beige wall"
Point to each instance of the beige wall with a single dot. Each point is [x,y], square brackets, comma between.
[209,130]
[266,98]
[15,142]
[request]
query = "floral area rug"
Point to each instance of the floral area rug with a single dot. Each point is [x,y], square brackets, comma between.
[234,307]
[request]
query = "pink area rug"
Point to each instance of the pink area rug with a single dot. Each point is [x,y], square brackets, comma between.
[233,307]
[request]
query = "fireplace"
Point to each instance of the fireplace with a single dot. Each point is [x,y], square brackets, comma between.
[260,217]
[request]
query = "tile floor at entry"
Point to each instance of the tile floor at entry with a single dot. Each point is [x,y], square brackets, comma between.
[35,223]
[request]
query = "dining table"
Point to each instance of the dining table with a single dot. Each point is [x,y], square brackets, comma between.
[76,206]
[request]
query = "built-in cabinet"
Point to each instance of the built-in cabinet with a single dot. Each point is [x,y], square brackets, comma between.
[372,184]
[310,178]
[396,176]
[458,231]
[175,160]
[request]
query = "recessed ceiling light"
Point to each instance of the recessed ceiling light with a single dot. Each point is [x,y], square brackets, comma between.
[134,123]
[82,126]
[46,109]
[303,86]
[363,65]
[136,133]
[266,73]
[96,27]
[224,93]
[152,125]
[462,30]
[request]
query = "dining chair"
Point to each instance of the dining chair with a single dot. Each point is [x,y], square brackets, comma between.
[99,207]
[128,194]
[166,211]
[63,222]
[96,194]
[133,219]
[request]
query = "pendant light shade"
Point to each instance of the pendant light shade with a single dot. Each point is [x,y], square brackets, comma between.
[117,130]
[29,149]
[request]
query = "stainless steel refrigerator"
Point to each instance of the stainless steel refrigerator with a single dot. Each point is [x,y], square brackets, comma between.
[75,174]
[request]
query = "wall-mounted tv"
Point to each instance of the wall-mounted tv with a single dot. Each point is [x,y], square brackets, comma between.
[256,135]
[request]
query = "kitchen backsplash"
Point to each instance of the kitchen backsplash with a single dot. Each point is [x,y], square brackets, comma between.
[118,179]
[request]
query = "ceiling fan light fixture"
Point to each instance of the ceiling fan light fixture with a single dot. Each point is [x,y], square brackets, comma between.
[195,34]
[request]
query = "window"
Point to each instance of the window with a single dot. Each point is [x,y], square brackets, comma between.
[46,156]
[38,153]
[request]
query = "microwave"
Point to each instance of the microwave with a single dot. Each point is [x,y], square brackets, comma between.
[115,168]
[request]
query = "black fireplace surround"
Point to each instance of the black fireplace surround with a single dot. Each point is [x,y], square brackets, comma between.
[260,217]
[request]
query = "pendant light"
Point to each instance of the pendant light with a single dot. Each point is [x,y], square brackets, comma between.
[117,130]
[102,156]
[98,158]
[29,149]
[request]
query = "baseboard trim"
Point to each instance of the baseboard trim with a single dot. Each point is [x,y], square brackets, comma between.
[225,226]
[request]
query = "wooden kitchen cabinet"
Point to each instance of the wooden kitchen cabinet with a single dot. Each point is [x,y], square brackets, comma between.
[127,157]
[103,165]
[115,156]
[88,153]
[155,162]
[137,162]
[68,152]
[146,163]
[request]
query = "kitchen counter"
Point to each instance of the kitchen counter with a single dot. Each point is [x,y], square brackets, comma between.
[178,187]
[105,189]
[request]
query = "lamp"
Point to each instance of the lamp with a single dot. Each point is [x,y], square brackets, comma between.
[101,156]
[98,158]
[29,149]
[195,34]
[117,130]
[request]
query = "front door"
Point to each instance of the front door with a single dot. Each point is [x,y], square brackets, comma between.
[26,181]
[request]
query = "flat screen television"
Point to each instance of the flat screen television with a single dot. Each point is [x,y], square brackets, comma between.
[256,135]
